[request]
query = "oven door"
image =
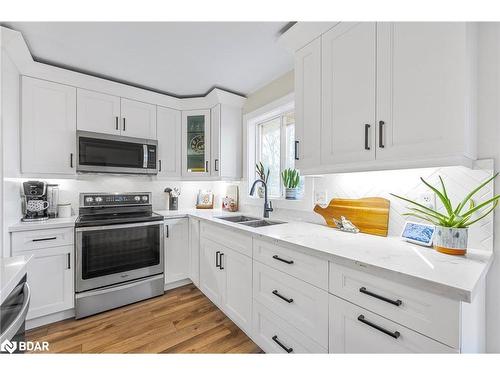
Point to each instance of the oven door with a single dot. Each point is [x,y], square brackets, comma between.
[107,255]
[115,154]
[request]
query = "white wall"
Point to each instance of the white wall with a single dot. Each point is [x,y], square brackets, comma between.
[274,90]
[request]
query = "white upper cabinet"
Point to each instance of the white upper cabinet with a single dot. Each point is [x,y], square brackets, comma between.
[98,112]
[225,129]
[196,143]
[48,128]
[422,90]
[169,147]
[138,119]
[308,105]
[348,100]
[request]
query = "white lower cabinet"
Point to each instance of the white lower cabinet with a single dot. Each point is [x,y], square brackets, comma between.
[357,330]
[226,279]
[176,250]
[194,251]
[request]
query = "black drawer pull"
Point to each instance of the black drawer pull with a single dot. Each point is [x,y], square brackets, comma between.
[217,264]
[283,346]
[282,260]
[394,334]
[381,134]
[44,239]
[220,261]
[367,130]
[363,290]
[276,293]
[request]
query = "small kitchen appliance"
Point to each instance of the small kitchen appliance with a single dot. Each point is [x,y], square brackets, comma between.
[119,251]
[53,199]
[34,201]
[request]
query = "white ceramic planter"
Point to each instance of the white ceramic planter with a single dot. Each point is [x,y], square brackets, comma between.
[291,193]
[451,240]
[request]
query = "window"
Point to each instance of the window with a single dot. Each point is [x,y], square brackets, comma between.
[275,139]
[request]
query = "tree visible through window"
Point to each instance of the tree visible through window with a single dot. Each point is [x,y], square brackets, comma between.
[275,148]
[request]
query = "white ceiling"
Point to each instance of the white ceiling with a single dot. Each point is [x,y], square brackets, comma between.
[180,58]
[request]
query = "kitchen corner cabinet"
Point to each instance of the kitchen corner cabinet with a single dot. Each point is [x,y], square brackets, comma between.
[226,130]
[169,148]
[194,251]
[176,250]
[196,143]
[393,95]
[48,127]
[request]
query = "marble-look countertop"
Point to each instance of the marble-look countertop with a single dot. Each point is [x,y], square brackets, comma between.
[12,271]
[455,277]
[44,224]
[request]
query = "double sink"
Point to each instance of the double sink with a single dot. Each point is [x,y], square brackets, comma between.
[250,221]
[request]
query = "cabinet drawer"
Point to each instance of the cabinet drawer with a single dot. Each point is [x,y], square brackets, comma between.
[356,330]
[432,315]
[41,239]
[269,331]
[228,237]
[302,305]
[303,266]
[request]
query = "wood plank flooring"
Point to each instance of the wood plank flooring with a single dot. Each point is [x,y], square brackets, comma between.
[183,320]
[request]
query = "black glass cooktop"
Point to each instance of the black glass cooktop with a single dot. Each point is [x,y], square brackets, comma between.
[96,219]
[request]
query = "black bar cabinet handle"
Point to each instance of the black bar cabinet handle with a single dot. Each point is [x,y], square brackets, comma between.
[397,302]
[159,165]
[71,160]
[217,264]
[116,122]
[282,260]
[206,166]
[69,261]
[216,165]
[283,346]
[124,124]
[394,334]
[381,134]
[168,231]
[220,261]
[296,150]
[367,130]
[44,239]
[276,293]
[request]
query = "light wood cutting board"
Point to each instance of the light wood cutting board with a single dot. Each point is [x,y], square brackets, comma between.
[370,215]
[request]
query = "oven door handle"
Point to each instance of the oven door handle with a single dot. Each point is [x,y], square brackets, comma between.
[120,226]
[11,330]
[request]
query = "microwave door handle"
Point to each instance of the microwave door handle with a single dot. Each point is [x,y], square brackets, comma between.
[145,157]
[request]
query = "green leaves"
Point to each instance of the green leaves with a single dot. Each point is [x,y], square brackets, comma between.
[454,218]
[291,178]
[261,171]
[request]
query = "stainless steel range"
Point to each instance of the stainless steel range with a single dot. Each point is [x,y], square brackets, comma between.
[119,251]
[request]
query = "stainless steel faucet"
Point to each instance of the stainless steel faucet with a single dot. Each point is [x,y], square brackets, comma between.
[268,207]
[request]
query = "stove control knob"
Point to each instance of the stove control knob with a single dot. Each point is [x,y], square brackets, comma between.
[89,199]
[137,198]
[98,199]
[144,198]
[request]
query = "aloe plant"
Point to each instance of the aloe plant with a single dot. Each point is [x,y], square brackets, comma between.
[458,217]
[290,178]
[261,172]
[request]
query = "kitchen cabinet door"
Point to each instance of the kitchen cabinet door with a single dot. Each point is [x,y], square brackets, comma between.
[422,90]
[194,251]
[196,143]
[215,140]
[211,276]
[50,277]
[169,138]
[176,250]
[138,119]
[348,93]
[308,105]
[48,128]
[237,297]
[98,112]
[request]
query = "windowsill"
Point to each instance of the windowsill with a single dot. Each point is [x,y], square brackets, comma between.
[281,199]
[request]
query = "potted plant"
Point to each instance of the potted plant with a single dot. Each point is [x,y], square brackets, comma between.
[263,175]
[451,226]
[291,180]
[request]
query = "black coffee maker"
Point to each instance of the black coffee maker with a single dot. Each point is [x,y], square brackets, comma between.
[35,202]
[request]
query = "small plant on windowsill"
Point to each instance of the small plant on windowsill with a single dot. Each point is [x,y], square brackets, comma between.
[291,180]
[451,227]
[263,175]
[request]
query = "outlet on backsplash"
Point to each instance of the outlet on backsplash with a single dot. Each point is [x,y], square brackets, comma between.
[320,197]
[428,199]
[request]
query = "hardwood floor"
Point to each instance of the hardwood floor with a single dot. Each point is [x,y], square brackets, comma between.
[181,321]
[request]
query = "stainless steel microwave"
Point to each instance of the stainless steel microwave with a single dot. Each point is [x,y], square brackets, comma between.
[107,153]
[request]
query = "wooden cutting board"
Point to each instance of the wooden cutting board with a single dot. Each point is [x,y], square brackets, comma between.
[370,215]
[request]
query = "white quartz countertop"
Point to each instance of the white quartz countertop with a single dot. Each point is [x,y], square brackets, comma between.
[12,271]
[455,277]
[45,224]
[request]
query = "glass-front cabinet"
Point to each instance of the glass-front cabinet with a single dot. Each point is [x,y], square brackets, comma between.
[196,143]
